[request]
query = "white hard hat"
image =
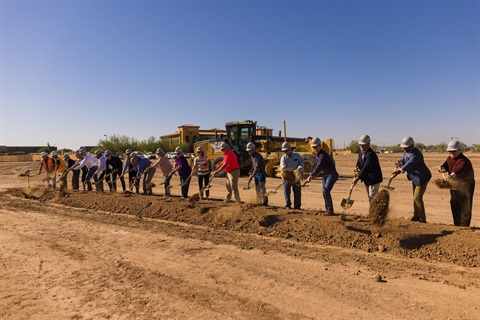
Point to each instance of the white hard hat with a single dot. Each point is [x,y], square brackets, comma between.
[453,145]
[133,155]
[224,146]
[128,151]
[98,153]
[54,153]
[66,155]
[178,150]
[407,142]
[250,146]
[107,152]
[83,151]
[285,146]
[365,139]
[43,154]
[160,150]
[200,149]
[316,142]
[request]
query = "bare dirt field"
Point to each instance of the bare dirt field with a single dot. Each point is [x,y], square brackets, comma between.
[115,256]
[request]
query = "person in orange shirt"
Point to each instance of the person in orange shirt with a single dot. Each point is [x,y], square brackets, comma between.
[48,165]
[230,164]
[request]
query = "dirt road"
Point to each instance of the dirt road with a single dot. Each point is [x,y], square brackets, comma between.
[111,256]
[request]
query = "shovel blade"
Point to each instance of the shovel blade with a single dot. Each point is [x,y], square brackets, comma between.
[347,203]
[387,188]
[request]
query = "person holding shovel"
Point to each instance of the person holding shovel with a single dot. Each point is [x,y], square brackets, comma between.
[325,166]
[101,170]
[230,164]
[201,165]
[417,171]
[128,168]
[116,166]
[290,163]
[462,181]
[368,168]
[164,163]
[140,165]
[48,165]
[183,169]
[88,162]
[60,167]
[258,173]
[76,174]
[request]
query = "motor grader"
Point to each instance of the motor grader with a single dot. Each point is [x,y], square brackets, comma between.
[239,133]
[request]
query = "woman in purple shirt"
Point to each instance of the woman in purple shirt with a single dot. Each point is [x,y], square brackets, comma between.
[183,169]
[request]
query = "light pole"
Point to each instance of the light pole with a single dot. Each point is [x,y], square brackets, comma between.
[106,137]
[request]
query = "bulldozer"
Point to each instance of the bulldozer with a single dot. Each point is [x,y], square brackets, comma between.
[239,133]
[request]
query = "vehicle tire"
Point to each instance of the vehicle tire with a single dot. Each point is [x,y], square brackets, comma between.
[215,163]
[309,164]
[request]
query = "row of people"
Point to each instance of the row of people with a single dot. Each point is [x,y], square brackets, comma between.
[457,168]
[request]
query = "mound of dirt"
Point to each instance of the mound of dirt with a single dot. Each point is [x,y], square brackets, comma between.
[430,242]
[442,183]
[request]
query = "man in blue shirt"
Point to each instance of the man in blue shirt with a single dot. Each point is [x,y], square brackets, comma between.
[325,166]
[417,171]
[140,164]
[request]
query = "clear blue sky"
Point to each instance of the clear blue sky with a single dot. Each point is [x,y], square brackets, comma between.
[73,71]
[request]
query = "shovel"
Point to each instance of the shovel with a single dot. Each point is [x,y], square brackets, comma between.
[184,183]
[276,189]
[209,185]
[347,203]
[247,187]
[387,187]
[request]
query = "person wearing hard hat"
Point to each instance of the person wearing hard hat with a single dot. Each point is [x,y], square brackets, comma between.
[143,167]
[462,181]
[129,168]
[230,164]
[88,162]
[258,174]
[183,169]
[60,167]
[75,175]
[325,166]
[417,171]
[48,165]
[101,170]
[368,168]
[114,169]
[164,163]
[290,163]
[201,165]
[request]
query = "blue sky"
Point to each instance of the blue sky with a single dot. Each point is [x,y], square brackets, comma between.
[74,71]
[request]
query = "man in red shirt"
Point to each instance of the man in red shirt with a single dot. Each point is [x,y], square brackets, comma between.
[230,164]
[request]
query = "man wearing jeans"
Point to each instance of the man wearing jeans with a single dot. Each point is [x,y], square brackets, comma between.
[289,163]
[324,165]
[412,163]
[230,164]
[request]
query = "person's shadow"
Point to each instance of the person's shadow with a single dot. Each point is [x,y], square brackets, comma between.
[417,241]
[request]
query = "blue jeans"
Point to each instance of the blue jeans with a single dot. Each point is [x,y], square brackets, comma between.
[328,182]
[297,195]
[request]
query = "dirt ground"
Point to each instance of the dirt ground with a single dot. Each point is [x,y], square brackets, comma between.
[116,256]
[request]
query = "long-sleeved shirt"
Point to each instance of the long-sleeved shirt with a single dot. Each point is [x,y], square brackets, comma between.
[87,161]
[292,162]
[417,170]
[102,165]
[461,166]
[258,164]
[323,164]
[115,163]
[370,171]
[164,163]
[141,164]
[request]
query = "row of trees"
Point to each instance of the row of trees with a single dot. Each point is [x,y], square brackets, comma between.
[354,147]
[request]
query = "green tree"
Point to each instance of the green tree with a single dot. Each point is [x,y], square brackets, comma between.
[354,147]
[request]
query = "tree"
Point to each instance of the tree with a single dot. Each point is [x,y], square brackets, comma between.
[354,147]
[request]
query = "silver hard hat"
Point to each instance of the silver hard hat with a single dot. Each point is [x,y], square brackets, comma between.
[407,142]
[316,142]
[286,146]
[365,139]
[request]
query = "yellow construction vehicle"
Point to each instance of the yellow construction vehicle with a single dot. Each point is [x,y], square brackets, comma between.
[239,133]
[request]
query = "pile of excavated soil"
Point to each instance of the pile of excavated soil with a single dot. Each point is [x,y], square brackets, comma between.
[379,208]
[442,183]
[430,242]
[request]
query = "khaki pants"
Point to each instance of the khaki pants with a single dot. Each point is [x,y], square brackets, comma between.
[232,184]
[372,190]
[418,206]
